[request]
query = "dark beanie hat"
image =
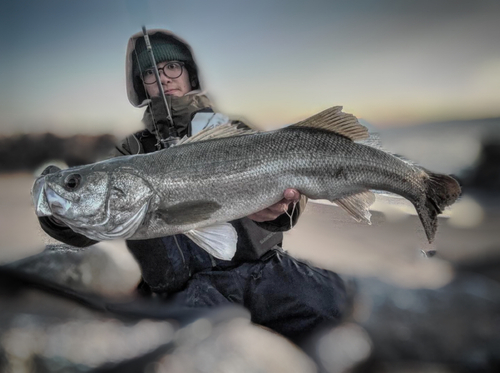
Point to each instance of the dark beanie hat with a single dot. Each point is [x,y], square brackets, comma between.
[165,48]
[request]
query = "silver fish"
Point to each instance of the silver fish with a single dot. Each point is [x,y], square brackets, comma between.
[227,173]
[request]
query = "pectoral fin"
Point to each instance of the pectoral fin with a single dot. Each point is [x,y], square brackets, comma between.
[358,205]
[218,240]
[187,212]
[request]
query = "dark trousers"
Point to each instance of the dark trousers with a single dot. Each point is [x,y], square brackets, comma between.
[282,293]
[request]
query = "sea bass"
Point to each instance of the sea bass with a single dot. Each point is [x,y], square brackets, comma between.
[227,173]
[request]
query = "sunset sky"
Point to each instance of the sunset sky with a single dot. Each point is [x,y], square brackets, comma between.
[390,62]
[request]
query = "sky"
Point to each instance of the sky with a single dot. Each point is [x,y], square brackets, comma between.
[271,63]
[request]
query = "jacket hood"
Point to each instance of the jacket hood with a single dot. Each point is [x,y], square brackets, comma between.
[135,89]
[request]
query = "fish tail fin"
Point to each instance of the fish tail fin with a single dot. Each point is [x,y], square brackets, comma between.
[440,191]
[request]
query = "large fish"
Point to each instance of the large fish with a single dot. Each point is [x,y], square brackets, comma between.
[227,173]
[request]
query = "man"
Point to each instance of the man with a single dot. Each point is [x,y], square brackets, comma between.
[282,293]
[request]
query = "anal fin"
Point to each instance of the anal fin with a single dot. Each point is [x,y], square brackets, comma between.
[358,205]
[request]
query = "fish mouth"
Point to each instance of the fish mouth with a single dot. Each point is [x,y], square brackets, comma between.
[47,202]
[39,198]
[57,204]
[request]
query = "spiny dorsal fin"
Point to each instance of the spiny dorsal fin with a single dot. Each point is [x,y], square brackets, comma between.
[357,205]
[223,130]
[333,119]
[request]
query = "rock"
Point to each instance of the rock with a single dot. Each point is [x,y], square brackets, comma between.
[94,269]
[43,329]
[486,173]
[234,346]
[457,325]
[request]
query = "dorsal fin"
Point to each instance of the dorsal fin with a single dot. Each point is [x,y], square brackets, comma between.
[223,130]
[333,119]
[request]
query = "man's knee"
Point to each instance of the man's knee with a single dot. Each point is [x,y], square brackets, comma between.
[320,290]
[324,296]
[295,298]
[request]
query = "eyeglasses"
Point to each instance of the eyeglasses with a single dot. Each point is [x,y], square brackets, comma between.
[171,70]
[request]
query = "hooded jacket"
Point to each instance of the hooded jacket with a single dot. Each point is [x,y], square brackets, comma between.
[254,239]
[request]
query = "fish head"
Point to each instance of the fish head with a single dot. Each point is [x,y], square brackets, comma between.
[100,201]
[74,195]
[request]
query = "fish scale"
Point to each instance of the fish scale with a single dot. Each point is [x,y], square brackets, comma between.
[263,181]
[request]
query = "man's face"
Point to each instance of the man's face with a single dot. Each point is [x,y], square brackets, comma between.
[172,87]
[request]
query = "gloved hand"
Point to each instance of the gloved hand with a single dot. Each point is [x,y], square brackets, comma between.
[183,109]
[273,212]
[160,117]
[158,110]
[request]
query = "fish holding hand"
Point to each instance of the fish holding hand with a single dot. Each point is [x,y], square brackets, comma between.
[226,173]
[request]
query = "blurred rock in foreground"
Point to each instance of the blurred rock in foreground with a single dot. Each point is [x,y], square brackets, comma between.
[455,328]
[51,320]
[486,173]
[96,269]
[457,325]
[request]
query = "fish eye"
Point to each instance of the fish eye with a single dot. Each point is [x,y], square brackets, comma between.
[118,192]
[72,181]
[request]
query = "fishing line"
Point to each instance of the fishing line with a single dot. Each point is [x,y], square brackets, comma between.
[173,136]
[138,145]
[182,255]
[149,49]
[290,215]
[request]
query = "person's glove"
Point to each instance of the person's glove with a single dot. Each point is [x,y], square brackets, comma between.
[158,110]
